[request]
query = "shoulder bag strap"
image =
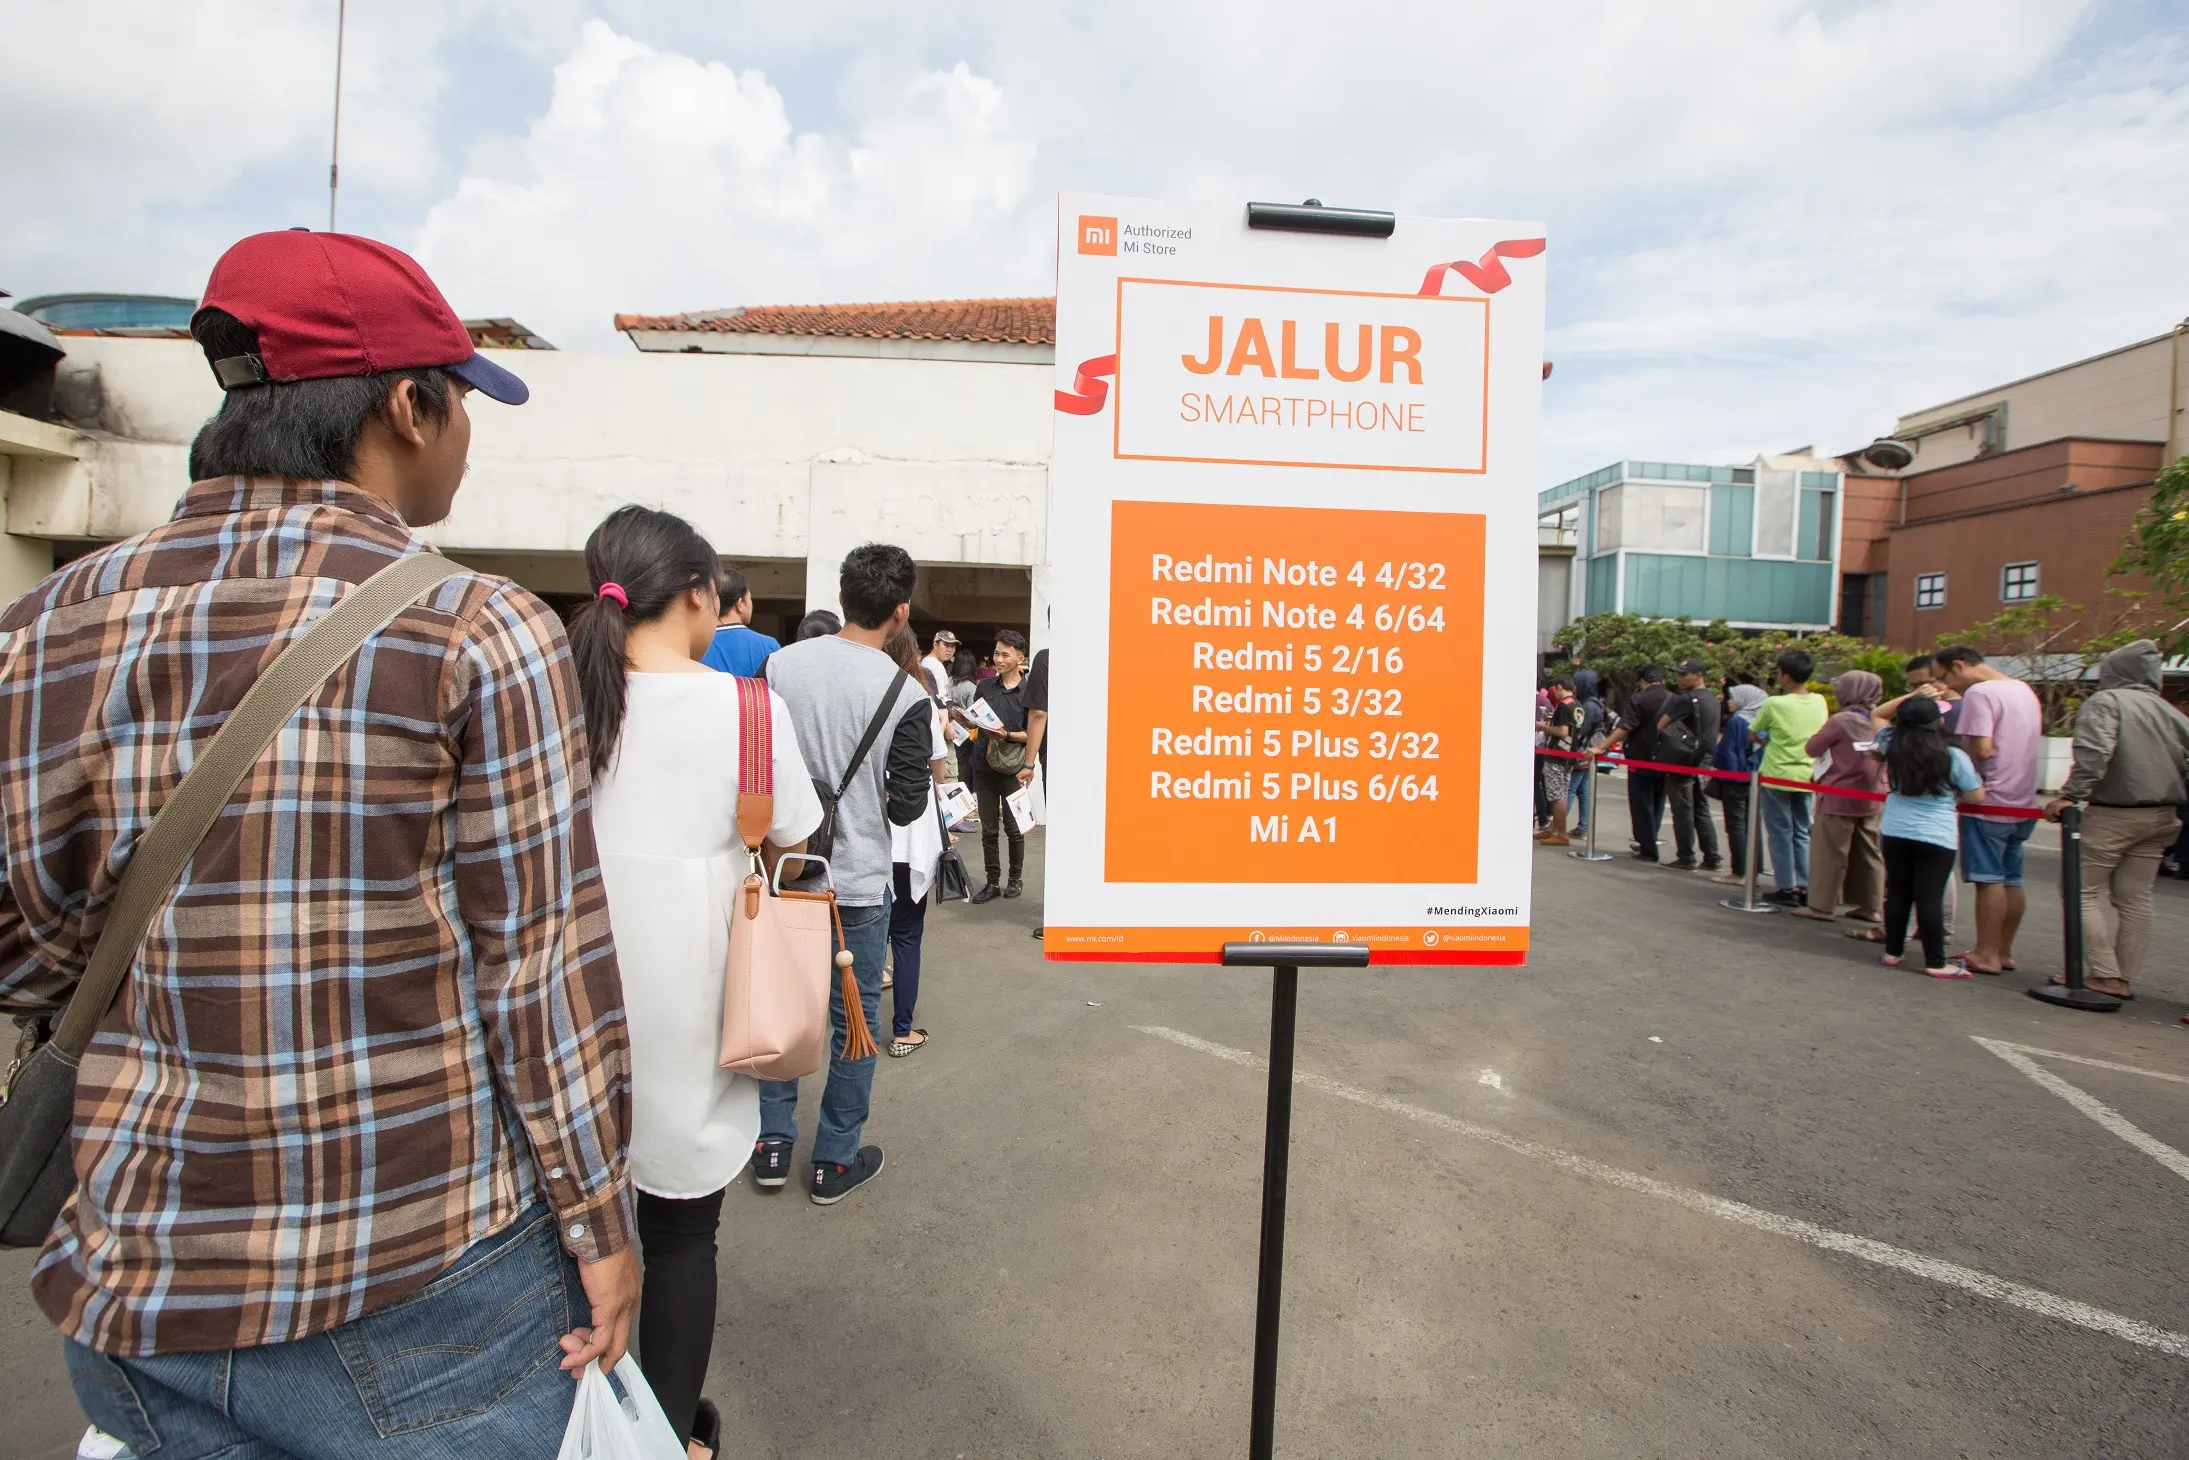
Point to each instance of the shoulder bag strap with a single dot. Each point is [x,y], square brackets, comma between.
[755,762]
[873,732]
[196,803]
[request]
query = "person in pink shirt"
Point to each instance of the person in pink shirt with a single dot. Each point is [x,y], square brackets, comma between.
[2001,726]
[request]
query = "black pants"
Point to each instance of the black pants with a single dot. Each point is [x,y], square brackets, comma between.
[907,927]
[989,789]
[1692,828]
[676,1301]
[1736,825]
[1646,808]
[1916,874]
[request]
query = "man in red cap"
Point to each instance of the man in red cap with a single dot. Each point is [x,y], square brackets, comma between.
[349,1144]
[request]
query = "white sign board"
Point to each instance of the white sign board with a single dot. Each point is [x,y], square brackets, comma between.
[1292,503]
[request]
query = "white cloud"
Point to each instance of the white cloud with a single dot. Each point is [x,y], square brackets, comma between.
[656,182]
[1772,221]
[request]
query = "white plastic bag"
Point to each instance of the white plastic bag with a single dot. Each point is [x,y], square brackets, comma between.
[604,1426]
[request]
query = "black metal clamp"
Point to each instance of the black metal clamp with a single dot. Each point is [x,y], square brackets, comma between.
[1286,959]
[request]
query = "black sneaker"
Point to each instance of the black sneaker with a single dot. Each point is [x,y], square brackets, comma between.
[1713,864]
[1013,888]
[1687,864]
[770,1164]
[1788,897]
[988,894]
[832,1183]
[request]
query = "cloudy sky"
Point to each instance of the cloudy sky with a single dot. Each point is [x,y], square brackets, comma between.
[1772,222]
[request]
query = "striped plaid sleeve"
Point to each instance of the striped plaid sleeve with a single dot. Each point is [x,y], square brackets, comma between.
[528,881]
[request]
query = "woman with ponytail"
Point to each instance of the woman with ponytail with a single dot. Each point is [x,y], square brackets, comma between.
[663,730]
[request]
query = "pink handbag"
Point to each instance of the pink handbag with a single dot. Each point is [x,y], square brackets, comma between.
[775,983]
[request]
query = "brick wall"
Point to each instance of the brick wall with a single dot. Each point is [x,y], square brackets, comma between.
[2029,473]
[2073,538]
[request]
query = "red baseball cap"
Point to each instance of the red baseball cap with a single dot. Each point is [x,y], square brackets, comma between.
[325,305]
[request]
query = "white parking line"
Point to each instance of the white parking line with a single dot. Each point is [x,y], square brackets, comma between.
[1917,1264]
[2018,1055]
[1995,1045]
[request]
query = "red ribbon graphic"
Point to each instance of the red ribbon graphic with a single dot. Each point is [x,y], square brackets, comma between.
[1489,273]
[1089,388]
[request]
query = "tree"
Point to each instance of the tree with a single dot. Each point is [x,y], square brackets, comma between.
[2158,552]
[2051,647]
[1617,645]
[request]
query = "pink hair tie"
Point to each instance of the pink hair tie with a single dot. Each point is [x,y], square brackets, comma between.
[615,591]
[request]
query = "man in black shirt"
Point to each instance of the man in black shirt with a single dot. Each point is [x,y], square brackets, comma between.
[1637,735]
[1695,709]
[1003,693]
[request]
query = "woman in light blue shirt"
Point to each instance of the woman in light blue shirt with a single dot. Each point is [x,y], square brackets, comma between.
[1920,830]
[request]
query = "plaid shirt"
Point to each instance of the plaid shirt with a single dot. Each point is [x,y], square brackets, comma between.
[380,1016]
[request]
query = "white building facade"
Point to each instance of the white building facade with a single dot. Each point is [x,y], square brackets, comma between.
[785,458]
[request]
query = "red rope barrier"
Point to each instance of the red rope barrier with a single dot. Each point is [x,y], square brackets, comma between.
[2022,813]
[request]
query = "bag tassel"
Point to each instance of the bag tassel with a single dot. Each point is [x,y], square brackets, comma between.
[858,1039]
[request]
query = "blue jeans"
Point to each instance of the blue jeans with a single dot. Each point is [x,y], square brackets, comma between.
[465,1368]
[1786,831]
[850,1082]
[1579,794]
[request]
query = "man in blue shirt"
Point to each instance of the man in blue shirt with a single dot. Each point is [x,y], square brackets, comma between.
[737,648]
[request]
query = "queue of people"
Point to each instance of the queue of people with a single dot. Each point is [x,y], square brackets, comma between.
[1869,809]
[549,825]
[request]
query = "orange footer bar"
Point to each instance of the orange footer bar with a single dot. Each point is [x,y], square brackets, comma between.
[1463,945]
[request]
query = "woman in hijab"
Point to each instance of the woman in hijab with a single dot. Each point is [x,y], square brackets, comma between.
[1738,753]
[1846,864]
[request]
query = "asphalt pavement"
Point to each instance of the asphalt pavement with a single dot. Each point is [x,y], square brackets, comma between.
[1692,1183]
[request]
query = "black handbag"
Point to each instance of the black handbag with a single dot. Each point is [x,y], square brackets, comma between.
[38,1103]
[952,882]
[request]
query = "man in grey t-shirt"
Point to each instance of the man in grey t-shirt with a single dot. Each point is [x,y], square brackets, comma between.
[832,686]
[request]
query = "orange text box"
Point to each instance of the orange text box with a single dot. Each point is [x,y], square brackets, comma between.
[1295,695]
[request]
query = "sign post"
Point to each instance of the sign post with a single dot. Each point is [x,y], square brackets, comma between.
[1292,511]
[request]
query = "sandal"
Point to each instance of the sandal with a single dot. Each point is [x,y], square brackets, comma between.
[906,1044]
[1814,916]
[1951,970]
[1889,960]
[1866,935]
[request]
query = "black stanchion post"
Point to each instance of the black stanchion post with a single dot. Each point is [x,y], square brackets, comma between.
[1588,852]
[2073,994]
[1287,959]
[1747,902]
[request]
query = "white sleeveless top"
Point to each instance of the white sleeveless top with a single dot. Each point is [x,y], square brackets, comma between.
[665,816]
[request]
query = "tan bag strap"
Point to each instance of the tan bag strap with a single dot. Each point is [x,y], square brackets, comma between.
[197,802]
[755,762]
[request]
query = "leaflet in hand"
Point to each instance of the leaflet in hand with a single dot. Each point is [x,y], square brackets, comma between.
[957,803]
[983,714]
[1021,803]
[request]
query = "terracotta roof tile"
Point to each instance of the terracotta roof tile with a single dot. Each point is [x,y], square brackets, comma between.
[1004,321]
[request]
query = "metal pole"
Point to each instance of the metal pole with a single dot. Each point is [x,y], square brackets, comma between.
[1589,853]
[2073,994]
[1748,902]
[334,153]
[1276,1151]
[1286,960]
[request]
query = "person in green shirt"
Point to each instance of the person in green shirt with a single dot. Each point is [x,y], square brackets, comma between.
[1783,727]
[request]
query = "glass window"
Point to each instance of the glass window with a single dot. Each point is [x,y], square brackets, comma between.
[1778,513]
[1930,590]
[2018,582]
[1652,518]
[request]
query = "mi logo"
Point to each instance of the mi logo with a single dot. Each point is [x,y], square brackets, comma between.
[1098,235]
